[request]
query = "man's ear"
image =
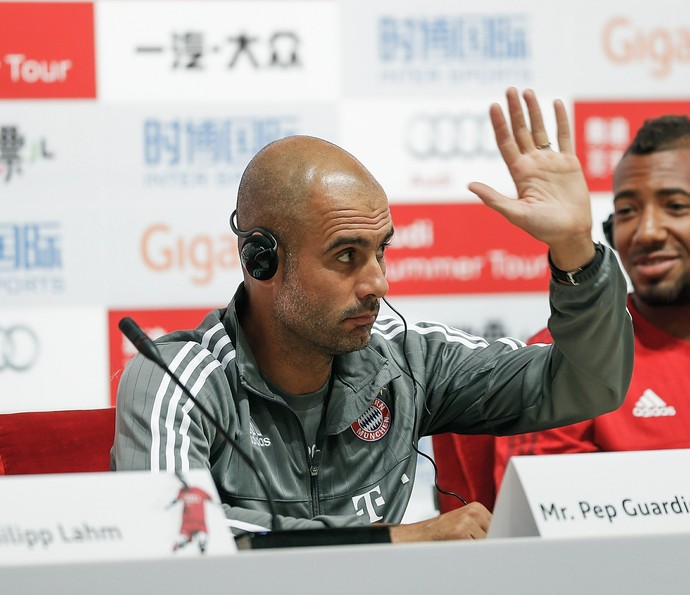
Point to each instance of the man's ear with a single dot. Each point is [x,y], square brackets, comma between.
[607,226]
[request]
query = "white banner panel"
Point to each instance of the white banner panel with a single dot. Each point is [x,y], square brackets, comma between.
[188,155]
[51,153]
[440,46]
[621,49]
[110,517]
[53,358]
[213,52]
[429,150]
[53,256]
[612,493]
[175,257]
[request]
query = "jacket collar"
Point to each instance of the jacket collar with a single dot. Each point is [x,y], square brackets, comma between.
[359,376]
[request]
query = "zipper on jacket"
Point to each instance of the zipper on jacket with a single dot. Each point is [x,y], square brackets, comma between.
[315,460]
[314,468]
[312,463]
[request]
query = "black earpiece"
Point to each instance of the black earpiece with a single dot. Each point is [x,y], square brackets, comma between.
[259,252]
[607,226]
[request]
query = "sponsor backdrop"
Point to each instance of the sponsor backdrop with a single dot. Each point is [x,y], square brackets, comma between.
[124,128]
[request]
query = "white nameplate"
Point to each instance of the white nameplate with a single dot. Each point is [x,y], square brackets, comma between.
[110,516]
[613,493]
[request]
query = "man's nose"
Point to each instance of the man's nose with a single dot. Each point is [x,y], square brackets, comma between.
[651,229]
[373,281]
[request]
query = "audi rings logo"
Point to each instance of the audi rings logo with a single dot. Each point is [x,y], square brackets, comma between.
[450,136]
[19,348]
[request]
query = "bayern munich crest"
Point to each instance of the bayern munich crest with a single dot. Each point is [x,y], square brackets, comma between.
[373,424]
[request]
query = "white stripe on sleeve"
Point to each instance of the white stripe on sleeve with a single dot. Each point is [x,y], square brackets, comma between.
[186,420]
[154,422]
[172,407]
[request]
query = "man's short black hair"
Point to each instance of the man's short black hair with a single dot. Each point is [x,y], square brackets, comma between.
[660,134]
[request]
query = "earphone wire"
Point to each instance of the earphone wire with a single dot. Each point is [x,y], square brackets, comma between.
[414,401]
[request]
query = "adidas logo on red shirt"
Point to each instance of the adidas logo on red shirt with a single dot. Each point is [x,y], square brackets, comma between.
[652,405]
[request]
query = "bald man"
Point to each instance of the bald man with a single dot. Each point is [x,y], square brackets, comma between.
[330,399]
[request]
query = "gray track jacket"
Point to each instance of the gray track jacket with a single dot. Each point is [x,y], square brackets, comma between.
[367,463]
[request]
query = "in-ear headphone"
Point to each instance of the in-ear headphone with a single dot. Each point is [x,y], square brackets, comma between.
[259,252]
[607,226]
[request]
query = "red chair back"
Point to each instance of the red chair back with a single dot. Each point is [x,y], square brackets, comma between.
[71,441]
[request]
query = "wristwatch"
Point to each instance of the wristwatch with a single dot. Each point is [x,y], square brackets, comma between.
[576,276]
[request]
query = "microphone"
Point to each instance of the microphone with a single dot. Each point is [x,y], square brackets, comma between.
[144,345]
[277,537]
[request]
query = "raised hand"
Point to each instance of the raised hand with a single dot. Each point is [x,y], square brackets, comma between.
[552,201]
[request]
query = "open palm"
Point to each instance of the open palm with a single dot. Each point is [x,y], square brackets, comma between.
[552,201]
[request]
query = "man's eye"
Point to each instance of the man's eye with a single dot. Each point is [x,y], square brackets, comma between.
[678,207]
[346,256]
[624,211]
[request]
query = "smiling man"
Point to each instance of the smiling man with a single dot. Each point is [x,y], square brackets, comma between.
[651,224]
[328,398]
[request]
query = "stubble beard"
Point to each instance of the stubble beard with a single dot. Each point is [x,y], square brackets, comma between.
[660,295]
[306,324]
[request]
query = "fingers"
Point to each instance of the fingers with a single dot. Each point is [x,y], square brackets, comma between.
[468,522]
[526,138]
[480,519]
[539,136]
[489,196]
[522,134]
[504,139]
[509,208]
[563,127]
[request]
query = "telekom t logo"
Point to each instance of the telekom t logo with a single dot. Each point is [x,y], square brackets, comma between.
[370,503]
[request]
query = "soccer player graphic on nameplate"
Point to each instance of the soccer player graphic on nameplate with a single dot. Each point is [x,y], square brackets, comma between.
[193,524]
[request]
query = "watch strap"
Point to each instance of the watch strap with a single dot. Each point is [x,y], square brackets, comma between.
[577,276]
